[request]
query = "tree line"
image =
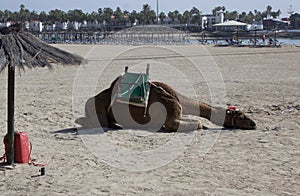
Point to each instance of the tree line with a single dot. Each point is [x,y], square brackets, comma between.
[119,17]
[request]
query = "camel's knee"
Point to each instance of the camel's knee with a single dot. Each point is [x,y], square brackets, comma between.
[172,125]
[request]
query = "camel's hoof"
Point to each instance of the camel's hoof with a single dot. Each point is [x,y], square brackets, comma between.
[200,126]
[205,127]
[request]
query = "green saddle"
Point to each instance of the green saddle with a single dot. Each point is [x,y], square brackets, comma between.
[134,87]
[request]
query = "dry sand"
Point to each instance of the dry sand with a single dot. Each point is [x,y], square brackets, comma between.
[264,82]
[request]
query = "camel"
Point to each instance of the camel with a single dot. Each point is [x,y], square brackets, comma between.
[102,110]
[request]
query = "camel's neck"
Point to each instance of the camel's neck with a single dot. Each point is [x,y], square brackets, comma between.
[216,115]
[205,110]
[196,108]
[193,107]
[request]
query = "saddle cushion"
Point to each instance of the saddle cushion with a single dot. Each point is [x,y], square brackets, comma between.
[133,88]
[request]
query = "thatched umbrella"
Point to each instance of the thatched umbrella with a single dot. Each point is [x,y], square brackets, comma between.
[20,49]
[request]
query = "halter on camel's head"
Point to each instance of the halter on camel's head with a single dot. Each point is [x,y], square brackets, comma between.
[238,119]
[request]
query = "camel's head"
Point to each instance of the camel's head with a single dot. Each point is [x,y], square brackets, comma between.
[238,119]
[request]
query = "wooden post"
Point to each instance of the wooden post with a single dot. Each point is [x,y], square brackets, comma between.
[255,36]
[237,33]
[275,38]
[157,14]
[10,114]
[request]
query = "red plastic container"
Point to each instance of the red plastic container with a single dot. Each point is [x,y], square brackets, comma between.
[21,147]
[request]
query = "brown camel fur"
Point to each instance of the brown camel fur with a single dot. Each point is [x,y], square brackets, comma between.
[102,111]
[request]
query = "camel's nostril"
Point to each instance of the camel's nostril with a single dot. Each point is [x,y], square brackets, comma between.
[252,123]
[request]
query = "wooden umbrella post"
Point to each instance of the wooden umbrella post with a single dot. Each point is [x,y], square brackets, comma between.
[10,114]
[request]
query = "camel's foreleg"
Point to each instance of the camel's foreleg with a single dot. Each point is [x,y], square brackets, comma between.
[183,125]
[189,125]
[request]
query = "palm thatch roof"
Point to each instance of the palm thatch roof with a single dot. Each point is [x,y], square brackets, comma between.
[20,49]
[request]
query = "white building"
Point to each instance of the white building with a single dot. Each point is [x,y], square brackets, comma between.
[6,24]
[255,26]
[35,26]
[58,26]
[209,20]
[73,25]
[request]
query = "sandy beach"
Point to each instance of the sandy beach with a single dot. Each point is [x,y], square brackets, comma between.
[263,82]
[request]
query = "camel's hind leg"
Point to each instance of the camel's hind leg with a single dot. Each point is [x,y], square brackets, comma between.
[95,117]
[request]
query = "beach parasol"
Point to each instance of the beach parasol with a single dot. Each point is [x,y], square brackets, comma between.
[20,49]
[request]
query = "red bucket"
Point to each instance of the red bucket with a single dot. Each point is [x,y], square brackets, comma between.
[21,147]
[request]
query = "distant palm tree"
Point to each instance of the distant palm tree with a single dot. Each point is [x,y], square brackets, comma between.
[22,7]
[43,17]
[107,14]
[250,17]
[186,17]
[146,15]
[243,17]
[100,17]
[23,14]
[133,16]
[162,16]
[92,17]
[171,15]
[268,11]
[7,15]
[218,8]
[118,14]
[231,15]
[57,15]
[195,16]
[74,15]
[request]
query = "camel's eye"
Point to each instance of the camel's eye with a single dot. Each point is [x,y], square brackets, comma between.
[243,117]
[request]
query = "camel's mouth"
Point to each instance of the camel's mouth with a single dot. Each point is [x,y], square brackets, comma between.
[252,128]
[252,125]
[246,125]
